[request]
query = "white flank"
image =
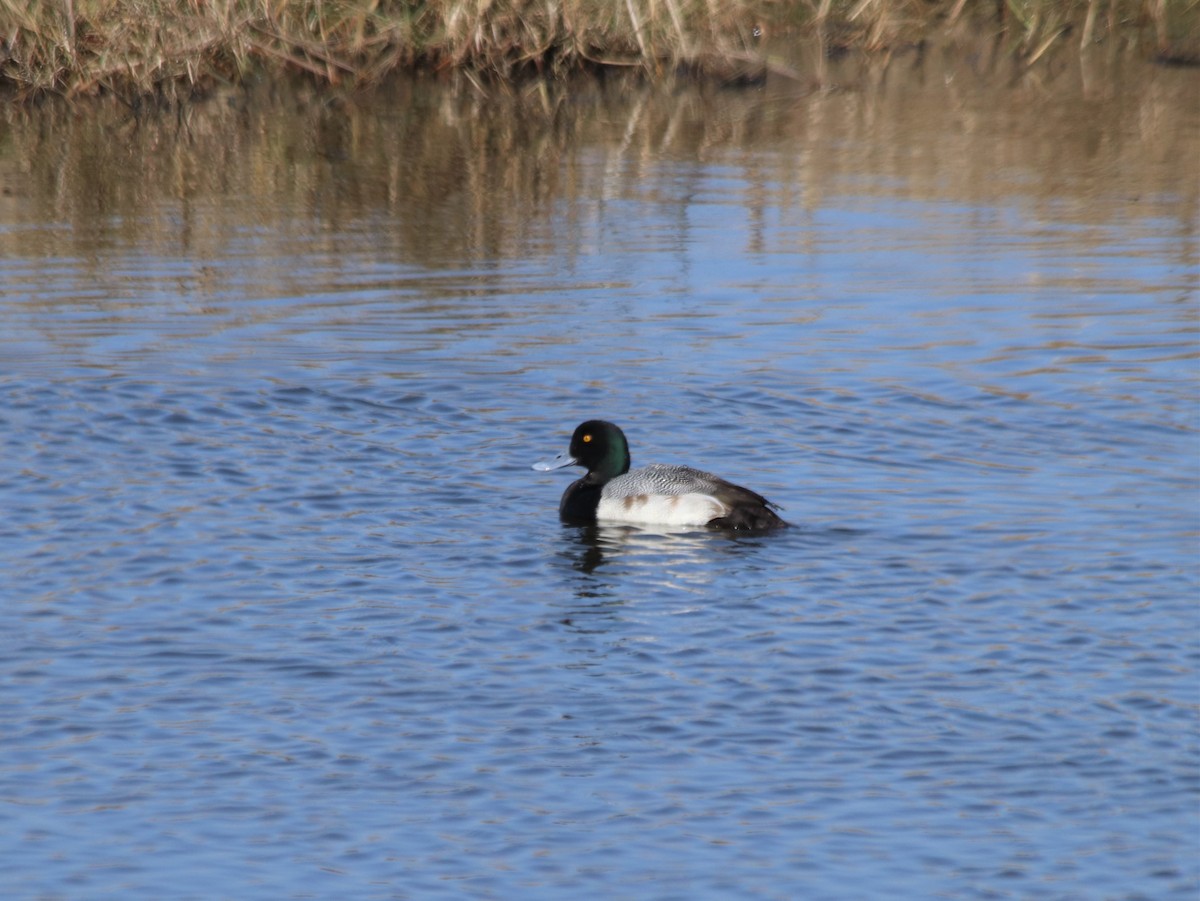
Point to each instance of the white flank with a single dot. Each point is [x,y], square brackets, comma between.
[667,510]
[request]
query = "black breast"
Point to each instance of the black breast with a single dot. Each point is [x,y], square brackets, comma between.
[579,502]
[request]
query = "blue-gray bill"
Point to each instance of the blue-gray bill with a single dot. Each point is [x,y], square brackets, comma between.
[559,462]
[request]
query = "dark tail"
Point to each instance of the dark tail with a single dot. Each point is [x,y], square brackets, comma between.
[749,517]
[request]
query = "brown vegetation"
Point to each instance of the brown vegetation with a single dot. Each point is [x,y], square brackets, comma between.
[182,47]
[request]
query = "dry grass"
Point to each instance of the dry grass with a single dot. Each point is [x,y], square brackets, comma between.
[181,47]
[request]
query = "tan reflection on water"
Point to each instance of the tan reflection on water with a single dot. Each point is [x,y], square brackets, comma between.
[457,175]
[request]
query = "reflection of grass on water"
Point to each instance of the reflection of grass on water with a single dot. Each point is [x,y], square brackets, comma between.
[181,46]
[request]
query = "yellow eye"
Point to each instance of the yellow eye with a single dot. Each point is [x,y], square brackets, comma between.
[587,438]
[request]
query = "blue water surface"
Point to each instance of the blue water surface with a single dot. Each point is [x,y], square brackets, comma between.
[285,613]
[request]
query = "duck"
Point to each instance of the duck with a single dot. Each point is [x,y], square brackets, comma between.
[658,494]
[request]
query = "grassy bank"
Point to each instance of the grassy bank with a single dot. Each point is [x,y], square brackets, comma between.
[183,47]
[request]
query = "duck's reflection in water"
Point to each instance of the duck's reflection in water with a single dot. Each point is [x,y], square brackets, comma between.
[614,562]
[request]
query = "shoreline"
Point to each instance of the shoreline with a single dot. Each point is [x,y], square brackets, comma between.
[186,49]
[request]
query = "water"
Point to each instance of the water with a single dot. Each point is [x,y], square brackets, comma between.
[287,615]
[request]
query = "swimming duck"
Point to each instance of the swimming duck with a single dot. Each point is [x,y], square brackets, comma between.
[658,494]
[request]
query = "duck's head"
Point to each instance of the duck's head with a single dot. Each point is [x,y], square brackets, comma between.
[598,446]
